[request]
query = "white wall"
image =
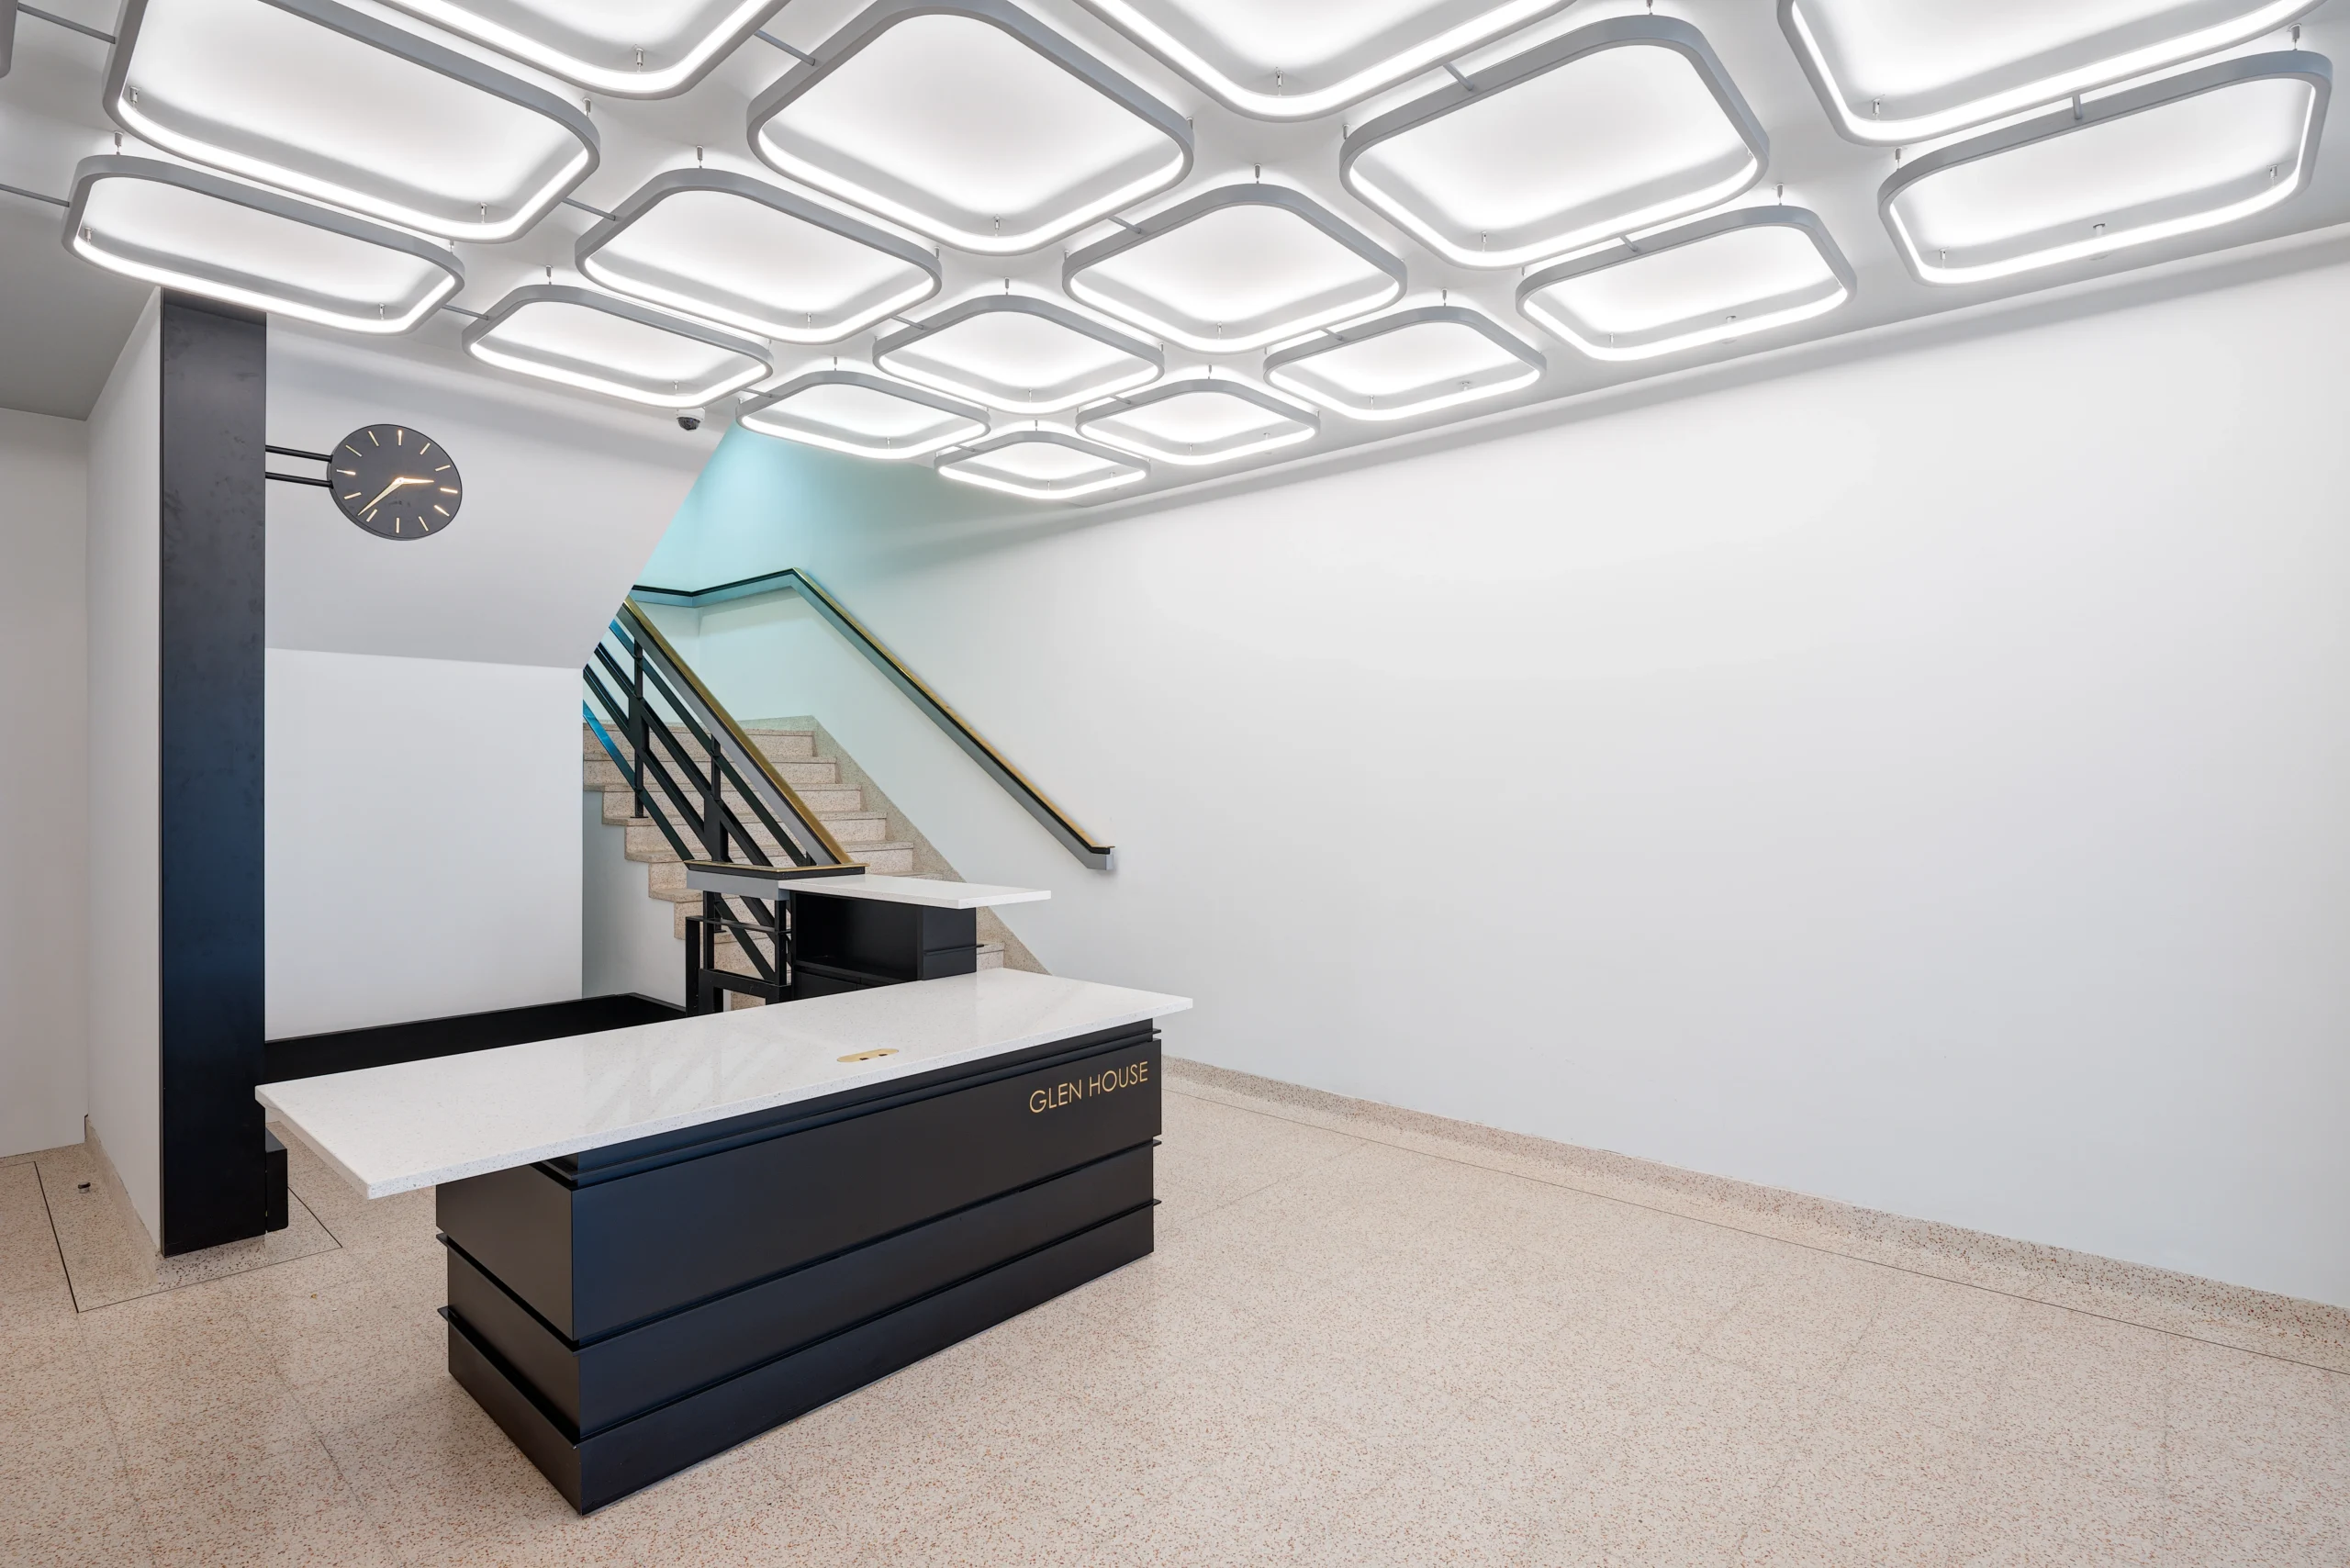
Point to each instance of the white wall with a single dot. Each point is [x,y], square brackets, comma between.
[1919,781]
[425,852]
[125,582]
[628,939]
[44,698]
[423,857]
[564,499]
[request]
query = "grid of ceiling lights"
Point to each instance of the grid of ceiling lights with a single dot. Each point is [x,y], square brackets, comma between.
[1601,161]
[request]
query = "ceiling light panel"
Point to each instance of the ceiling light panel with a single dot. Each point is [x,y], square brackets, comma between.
[181,228]
[1019,353]
[1294,58]
[863,414]
[1614,128]
[1043,465]
[580,338]
[1236,268]
[338,106]
[627,48]
[1409,362]
[1709,282]
[970,122]
[1903,70]
[717,244]
[2185,153]
[1200,419]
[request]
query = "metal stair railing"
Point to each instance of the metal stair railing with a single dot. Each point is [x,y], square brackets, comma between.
[1033,801]
[652,698]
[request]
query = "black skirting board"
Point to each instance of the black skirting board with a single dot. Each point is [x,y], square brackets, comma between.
[608,1466]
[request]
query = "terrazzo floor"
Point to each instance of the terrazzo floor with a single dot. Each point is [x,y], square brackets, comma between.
[1345,1351]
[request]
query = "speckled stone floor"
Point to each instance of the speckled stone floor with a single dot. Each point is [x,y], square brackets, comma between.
[1345,1351]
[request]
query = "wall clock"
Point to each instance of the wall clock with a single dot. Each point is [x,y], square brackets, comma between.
[394,482]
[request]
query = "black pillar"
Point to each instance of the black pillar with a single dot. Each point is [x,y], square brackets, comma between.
[215,1169]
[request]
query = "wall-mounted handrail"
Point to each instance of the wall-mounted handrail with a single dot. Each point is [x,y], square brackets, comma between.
[1098,856]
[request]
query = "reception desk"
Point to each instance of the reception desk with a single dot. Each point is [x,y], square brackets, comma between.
[664,1240]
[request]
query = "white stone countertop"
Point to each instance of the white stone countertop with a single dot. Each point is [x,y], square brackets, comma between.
[392,1129]
[895,889]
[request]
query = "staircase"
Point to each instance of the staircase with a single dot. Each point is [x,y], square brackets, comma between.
[855,824]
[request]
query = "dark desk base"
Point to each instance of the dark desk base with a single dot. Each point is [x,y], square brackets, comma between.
[629,1312]
[610,1464]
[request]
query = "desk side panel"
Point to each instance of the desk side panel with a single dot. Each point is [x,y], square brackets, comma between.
[516,1224]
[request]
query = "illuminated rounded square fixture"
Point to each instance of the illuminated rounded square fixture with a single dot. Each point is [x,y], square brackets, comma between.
[642,48]
[1043,465]
[580,338]
[1411,361]
[863,414]
[335,105]
[1201,418]
[1891,72]
[2177,156]
[180,228]
[1709,282]
[1617,126]
[1020,353]
[1287,60]
[1236,268]
[969,121]
[748,255]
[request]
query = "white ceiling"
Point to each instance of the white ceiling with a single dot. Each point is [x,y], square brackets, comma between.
[62,321]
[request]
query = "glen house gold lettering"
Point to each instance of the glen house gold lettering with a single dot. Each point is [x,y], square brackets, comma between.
[1070,1091]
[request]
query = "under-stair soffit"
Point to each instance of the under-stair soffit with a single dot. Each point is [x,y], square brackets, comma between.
[1598,181]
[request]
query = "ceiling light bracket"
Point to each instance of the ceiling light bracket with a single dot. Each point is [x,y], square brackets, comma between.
[1614,33]
[1831,284]
[478,338]
[441,274]
[870,25]
[2313,69]
[192,133]
[769,320]
[1207,335]
[1151,360]
[768,414]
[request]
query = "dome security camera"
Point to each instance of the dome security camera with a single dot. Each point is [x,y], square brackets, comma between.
[689,419]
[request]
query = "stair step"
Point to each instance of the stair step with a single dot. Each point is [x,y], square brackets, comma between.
[819,798]
[801,773]
[780,746]
[852,832]
[619,806]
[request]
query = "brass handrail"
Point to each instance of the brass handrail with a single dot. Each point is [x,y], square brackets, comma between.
[719,720]
[1059,823]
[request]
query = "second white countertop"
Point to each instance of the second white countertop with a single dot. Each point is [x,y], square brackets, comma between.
[924,891]
[393,1129]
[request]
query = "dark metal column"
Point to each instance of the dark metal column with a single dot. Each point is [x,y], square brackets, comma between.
[215,1169]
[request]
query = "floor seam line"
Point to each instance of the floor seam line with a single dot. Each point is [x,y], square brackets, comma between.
[55,1241]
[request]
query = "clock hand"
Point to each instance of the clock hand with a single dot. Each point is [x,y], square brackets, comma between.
[394,485]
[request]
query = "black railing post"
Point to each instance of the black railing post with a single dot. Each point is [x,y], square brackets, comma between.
[636,725]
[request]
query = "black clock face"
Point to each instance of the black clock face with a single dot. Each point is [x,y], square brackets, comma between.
[394,482]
